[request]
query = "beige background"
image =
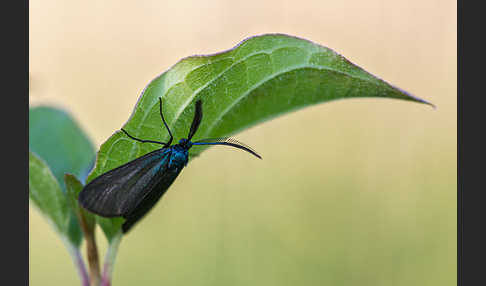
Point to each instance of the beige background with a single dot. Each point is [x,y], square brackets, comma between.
[353,192]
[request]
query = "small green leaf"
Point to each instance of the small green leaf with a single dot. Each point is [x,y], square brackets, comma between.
[45,193]
[60,142]
[57,139]
[259,79]
[74,230]
[73,187]
[110,226]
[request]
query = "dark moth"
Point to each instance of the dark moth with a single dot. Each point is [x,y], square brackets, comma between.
[132,189]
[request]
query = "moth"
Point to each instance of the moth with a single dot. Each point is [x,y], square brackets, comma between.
[133,189]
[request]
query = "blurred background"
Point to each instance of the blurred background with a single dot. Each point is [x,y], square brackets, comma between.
[352,192]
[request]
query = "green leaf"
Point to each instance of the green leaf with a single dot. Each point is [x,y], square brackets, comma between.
[75,234]
[56,138]
[45,193]
[60,142]
[73,187]
[261,78]
[110,226]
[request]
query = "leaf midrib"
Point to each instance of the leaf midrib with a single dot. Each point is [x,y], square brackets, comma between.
[179,112]
[188,101]
[275,74]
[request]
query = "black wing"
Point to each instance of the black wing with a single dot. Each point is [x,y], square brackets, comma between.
[119,191]
[147,203]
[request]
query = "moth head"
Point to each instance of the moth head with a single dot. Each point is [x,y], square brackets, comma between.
[185,143]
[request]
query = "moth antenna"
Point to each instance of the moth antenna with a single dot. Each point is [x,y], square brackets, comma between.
[198,114]
[165,123]
[228,141]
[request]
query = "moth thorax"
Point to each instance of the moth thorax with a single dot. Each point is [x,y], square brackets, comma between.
[179,156]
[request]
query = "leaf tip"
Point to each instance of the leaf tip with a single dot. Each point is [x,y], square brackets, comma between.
[417,99]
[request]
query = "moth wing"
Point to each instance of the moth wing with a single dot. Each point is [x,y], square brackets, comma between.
[151,198]
[119,191]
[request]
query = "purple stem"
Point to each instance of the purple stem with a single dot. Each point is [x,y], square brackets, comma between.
[78,262]
[83,274]
[110,260]
[105,279]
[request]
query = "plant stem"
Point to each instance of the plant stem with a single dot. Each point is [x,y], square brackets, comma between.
[91,251]
[82,269]
[79,263]
[110,259]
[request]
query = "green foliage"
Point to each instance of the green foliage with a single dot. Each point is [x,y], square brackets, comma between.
[110,226]
[60,142]
[45,193]
[56,138]
[259,79]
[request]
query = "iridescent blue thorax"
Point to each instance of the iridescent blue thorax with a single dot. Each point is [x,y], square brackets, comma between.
[179,153]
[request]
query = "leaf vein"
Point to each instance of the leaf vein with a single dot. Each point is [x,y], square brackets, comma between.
[258,84]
